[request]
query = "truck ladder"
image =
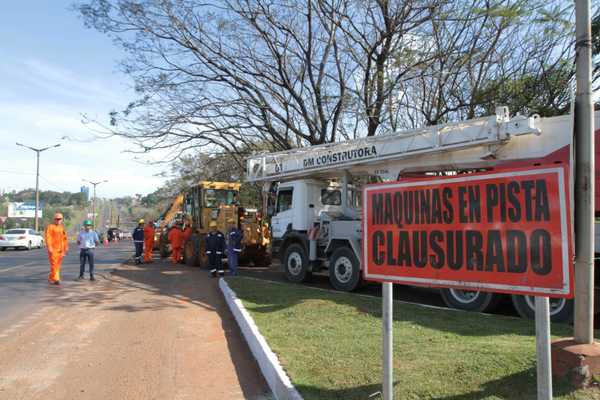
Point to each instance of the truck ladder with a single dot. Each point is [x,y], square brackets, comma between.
[300,162]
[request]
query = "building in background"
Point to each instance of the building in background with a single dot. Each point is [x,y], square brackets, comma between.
[86,191]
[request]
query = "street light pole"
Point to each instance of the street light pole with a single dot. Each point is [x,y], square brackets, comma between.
[37,178]
[584,179]
[94,200]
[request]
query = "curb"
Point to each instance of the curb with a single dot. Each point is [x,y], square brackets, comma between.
[278,381]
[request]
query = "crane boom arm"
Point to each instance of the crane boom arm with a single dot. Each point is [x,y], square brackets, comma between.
[356,154]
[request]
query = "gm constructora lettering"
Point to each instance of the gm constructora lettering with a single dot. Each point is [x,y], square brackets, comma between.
[340,156]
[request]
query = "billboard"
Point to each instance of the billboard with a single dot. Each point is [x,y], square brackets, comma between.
[23,210]
[506,231]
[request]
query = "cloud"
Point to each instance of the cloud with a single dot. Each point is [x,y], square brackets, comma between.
[44,77]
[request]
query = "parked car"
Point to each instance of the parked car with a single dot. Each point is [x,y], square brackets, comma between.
[21,238]
[113,234]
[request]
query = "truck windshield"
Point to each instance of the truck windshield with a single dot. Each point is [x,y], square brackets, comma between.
[219,197]
[331,197]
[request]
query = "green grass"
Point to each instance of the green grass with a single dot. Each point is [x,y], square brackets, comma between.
[330,345]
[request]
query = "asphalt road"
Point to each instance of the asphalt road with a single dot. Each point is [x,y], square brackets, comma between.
[24,274]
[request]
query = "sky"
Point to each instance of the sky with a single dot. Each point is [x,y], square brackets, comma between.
[53,70]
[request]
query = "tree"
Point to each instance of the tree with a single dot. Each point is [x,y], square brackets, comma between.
[489,52]
[235,76]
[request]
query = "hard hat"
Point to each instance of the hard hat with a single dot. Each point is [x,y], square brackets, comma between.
[212,224]
[87,222]
[230,221]
[141,221]
[58,216]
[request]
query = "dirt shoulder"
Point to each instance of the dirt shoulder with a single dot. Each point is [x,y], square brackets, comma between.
[149,332]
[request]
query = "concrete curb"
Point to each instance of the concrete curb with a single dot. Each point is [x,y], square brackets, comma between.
[280,384]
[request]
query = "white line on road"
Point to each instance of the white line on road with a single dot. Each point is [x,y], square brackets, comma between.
[17,266]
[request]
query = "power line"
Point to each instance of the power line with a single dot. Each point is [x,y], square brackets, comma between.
[16,172]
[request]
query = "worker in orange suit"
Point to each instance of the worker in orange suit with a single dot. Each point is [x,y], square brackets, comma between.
[176,240]
[148,241]
[57,245]
[187,232]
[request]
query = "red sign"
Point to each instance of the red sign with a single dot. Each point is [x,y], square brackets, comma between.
[506,232]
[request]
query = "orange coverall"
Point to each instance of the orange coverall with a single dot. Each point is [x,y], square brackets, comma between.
[148,243]
[57,244]
[176,240]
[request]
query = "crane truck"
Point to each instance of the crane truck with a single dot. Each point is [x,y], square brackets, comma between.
[312,194]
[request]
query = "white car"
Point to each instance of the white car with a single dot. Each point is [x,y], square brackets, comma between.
[23,238]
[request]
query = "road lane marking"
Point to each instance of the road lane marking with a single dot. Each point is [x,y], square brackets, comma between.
[18,266]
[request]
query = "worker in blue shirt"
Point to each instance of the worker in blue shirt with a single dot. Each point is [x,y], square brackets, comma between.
[234,246]
[138,241]
[87,240]
[215,247]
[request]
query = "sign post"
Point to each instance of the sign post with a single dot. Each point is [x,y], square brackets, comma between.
[388,340]
[503,231]
[542,347]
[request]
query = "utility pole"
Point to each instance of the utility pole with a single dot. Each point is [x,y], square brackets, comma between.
[584,179]
[94,200]
[37,178]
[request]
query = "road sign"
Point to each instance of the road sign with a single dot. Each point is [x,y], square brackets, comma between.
[504,231]
[24,210]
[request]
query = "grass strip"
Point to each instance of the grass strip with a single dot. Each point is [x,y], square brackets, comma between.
[329,343]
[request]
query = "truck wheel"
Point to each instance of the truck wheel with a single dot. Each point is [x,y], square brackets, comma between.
[344,270]
[295,264]
[261,258]
[191,253]
[470,300]
[561,310]
[164,249]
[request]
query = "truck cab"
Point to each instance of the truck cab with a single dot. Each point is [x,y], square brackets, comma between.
[311,220]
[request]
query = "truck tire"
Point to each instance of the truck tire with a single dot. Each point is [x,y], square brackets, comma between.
[561,310]
[163,246]
[261,258]
[344,270]
[470,300]
[295,264]
[191,252]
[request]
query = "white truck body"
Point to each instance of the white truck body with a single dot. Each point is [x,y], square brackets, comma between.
[308,234]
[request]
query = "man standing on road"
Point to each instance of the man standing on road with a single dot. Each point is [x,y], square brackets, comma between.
[57,245]
[176,239]
[215,246]
[138,241]
[148,241]
[87,240]
[234,246]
